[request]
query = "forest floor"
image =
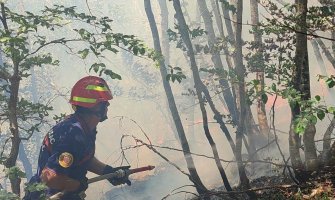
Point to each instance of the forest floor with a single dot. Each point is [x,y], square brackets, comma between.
[316,186]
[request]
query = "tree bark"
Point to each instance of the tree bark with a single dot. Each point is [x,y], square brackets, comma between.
[261,113]
[199,86]
[241,101]
[327,134]
[194,177]
[14,81]
[14,128]
[327,142]
[227,94]
[301,82]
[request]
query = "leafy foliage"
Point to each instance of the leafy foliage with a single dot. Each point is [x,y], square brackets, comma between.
[14,172]
[37,187]
[28,40]
[4,195]
[175,74]
[228,6]
[330,81]
[277,59]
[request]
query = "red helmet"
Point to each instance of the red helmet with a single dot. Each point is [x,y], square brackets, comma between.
[89,91]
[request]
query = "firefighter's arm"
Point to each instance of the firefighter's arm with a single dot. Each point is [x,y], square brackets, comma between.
[96,166]
[59,181]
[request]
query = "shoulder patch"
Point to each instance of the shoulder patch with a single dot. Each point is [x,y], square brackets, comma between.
[65,159]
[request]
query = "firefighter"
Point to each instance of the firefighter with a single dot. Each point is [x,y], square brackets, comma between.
[67,152]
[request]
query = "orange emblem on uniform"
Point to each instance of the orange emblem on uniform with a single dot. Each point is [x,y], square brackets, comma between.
[65,159]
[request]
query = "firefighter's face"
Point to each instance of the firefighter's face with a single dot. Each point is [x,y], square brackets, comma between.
[102,109]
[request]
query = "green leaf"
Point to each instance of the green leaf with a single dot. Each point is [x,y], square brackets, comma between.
[168,77]
[14,173]
[4,195]
[4,39]
[274,87]
[255,82]
[300,126]
[317,97]
[173,77]
[142,51]
[331,109]
[111,74]
[96,67]
[321,114]
[313,119]
[264,98]
[330,82]
[135,51]
[84,53]
[94,51]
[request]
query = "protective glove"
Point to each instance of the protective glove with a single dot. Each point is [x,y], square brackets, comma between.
[123,175]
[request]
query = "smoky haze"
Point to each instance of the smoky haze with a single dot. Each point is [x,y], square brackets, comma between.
[139,107]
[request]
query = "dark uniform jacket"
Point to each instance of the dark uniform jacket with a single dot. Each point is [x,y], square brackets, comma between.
[66,150]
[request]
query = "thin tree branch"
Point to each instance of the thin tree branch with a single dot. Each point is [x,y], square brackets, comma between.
[151,147]
[206,156]
[276,139]
[282,26]
[3,17]
[187,192]
[57,41]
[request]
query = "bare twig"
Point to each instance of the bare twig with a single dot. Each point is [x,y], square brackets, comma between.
[57,41]
[282,26]
[263,147]
[206,156]
[144,133]
[187,192]
[3,17]
[276,139]
[162,156]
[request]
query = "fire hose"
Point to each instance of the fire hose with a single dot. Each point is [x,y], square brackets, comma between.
[103,177]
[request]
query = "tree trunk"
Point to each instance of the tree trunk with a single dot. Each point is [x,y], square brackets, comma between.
[329,4]
[327,142]
[164,28]
[199,87]
[228,57]
[14,81]
[261,113]
[227,94]
[327,134]
[326,51]
[14,129]
[301,82]
[241,101]
[194,177]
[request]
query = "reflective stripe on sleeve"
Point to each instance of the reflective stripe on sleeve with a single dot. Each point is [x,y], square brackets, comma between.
[83,99]
[97,88]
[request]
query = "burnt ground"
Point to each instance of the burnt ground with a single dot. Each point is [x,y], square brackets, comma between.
[315,186]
